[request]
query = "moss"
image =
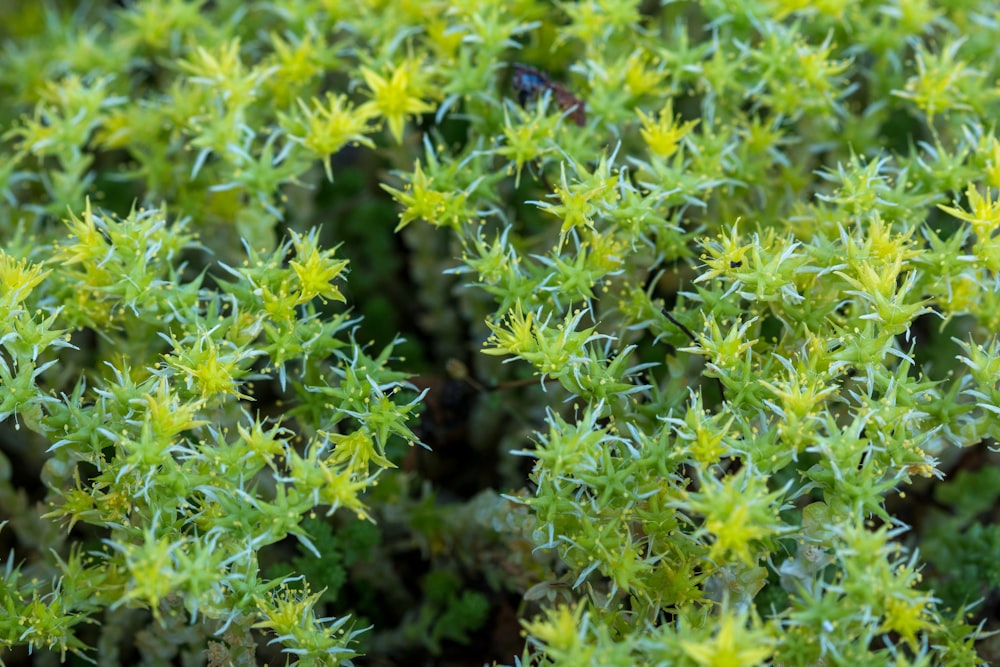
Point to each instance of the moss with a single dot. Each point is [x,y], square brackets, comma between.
[683,259]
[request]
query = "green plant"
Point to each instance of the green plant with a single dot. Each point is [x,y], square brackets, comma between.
[741,286]
[961,547]
[156,444]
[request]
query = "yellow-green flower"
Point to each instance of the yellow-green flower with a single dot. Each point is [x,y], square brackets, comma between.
[396,97]
[663,134]
[328,126]
[734,645]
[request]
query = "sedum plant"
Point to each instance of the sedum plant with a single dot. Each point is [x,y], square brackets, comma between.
[743,250]
[156,444]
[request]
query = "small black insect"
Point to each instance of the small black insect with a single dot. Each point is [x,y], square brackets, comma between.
[735,265]
[531,83]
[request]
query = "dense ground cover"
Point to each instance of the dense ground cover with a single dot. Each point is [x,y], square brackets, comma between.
[573,333]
